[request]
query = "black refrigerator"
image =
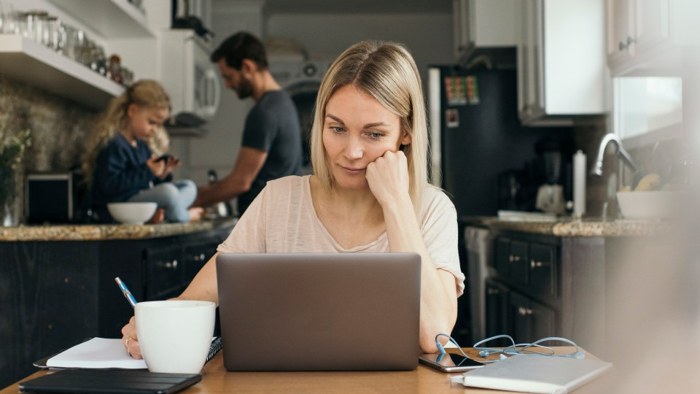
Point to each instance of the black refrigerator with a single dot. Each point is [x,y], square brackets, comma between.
[477,140]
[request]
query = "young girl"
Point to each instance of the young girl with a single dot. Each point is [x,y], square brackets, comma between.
[120,164]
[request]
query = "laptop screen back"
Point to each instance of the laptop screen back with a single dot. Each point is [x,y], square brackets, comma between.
[319,311]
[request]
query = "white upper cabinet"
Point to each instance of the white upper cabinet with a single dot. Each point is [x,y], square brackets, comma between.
[483,23]
[646,36]
[637,30]
[561,61]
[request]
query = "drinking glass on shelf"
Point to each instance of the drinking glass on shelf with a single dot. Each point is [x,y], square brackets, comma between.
[71,42]
[2,18]
[83,48]
[54,34]
[127,77]
[10,21]
[32,24]
[98,61]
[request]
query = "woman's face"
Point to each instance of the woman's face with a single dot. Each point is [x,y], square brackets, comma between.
[144,121]
[357,129]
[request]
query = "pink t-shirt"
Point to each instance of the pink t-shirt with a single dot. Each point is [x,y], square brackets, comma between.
[282,219]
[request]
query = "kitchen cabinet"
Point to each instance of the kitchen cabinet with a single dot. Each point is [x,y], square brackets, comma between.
[542,286]
[497,304]
[561,61]
[54,294]
[638,31]
[483,23]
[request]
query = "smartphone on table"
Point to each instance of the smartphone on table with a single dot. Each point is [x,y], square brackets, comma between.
[449,362]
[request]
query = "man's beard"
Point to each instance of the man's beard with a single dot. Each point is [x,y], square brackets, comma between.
[245,89]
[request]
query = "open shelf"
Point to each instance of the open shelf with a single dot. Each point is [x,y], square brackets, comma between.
[110,18]
[35,64]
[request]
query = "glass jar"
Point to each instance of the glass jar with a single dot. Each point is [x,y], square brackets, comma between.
[54,34]
[115,69]
[10,207]
[31,24]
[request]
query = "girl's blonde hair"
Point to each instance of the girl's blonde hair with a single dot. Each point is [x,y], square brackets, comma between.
[387,72]
[144,93]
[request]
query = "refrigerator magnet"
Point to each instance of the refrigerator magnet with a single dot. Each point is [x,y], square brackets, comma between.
[452,118]
[472,90]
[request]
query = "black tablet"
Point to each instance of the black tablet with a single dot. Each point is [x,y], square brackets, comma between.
[109,382]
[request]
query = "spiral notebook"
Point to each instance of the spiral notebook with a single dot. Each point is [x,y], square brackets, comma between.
[103,353]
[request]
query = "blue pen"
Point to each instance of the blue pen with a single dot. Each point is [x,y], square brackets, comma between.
[126,292]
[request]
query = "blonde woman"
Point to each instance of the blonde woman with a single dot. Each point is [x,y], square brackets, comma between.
[120,164]
[369,192]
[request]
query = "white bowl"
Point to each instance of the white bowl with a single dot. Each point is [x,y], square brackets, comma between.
[654,204]
[132,212]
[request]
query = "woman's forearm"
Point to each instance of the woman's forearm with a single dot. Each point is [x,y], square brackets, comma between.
[438,291]
[204,286]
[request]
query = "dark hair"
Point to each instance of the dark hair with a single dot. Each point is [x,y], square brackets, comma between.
[239,46]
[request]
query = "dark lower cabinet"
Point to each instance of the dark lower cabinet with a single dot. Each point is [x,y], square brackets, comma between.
[497,319]
[544,286]
[530,319]
[55,294]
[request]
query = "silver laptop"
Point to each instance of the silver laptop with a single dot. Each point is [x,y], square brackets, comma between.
[319,311]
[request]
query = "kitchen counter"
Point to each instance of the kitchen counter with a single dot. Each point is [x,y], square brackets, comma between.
[568,227]
[104,232]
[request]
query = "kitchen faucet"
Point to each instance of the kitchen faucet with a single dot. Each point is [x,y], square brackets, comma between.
[621,152]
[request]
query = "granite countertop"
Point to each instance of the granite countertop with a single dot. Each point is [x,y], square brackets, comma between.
[104,232]
[568,227]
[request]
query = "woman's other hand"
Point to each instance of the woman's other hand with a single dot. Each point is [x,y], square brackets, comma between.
[130,339]
[387,177]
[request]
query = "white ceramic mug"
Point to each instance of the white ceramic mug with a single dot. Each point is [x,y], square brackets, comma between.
[175,336]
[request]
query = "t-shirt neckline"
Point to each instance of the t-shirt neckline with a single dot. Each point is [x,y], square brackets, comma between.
[338,246]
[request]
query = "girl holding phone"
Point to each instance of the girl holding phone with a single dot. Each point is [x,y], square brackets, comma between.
[121,165]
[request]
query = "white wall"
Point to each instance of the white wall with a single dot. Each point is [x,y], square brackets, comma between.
[427,36]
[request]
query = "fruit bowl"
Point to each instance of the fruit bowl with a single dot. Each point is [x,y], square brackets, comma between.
[132,212]
[652,204]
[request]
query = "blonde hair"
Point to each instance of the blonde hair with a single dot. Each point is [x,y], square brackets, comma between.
[144,93]
[387,72]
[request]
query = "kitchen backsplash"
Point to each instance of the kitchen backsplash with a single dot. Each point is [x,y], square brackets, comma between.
[59,130]
[59,127]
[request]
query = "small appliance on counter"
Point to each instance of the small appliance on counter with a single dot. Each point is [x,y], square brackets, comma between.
[555,189]
[49,197]
[55,197]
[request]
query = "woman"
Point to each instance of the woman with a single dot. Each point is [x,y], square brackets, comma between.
[122,166]
[369,192]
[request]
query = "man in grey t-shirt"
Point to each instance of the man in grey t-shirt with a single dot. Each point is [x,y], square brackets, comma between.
[271,147]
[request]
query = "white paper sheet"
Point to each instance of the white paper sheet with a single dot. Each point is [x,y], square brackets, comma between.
[97,353]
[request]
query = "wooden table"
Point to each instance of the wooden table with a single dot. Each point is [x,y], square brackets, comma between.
[421,380]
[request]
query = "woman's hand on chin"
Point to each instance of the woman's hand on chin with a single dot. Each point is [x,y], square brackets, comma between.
[387,177]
